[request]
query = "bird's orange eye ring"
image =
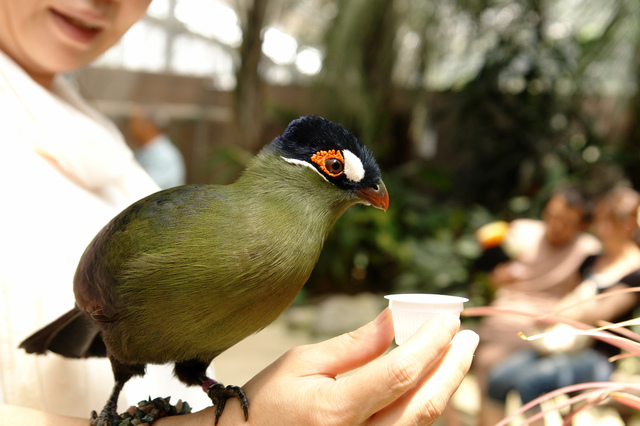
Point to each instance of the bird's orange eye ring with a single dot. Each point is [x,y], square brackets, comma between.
[330,162]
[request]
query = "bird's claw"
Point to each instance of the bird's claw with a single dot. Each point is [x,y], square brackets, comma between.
[106,418]
[219,395]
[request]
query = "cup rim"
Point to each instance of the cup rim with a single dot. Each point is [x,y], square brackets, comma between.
[422,302]
[425,298]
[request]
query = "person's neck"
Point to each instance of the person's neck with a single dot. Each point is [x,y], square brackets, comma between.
[43,78]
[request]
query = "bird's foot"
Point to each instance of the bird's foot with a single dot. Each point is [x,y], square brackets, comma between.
[107,417]
[219,395]
[146,412]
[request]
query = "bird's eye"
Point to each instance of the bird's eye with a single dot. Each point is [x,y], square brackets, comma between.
[330,162]
[333,166]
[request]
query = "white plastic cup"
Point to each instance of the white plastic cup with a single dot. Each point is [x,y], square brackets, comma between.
[410,311]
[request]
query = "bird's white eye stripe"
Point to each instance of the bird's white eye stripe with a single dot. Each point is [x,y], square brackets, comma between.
[305,164]
[353,168]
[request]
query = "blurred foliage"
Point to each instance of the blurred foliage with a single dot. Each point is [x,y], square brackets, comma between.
[228,163]
[419,244]
[476,110]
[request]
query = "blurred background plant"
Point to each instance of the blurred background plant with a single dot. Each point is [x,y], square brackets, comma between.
[476,110]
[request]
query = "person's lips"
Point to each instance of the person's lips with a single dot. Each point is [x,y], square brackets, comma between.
[78,28]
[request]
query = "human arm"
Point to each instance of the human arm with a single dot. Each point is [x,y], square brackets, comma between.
[408,386]
[543,276]
[537,264]
[22,416]
[607,308]
[584,307]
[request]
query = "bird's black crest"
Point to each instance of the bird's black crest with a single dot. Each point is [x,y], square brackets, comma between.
[307,135]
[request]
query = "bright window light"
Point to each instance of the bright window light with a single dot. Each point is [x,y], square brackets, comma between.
[210,18]
[309,61]
[279,47]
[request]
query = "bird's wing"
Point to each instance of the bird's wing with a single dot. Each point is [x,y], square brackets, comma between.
[93,284]
[146,228]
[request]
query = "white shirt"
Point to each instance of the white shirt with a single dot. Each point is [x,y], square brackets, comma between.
[65,171]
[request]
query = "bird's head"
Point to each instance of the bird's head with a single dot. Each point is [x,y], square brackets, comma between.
[336,155]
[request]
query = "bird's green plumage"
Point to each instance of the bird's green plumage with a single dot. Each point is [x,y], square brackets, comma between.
[248,248]
[185,273]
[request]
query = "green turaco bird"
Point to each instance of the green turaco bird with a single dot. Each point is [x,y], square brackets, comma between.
[185,273]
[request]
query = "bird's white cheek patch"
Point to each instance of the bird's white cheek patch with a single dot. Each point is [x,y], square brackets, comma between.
[353,169]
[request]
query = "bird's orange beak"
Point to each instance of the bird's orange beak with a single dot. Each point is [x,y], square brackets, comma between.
[376,196]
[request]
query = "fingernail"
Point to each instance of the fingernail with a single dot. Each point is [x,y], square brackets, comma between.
[468,336]
[382,317]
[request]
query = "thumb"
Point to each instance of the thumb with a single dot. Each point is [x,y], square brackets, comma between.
[356,348]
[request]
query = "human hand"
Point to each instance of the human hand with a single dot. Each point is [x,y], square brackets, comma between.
[506,273]
[410,385]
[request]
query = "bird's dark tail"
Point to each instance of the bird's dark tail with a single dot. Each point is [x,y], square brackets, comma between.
[73,335]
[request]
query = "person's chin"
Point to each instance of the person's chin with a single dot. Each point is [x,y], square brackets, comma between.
[59,59]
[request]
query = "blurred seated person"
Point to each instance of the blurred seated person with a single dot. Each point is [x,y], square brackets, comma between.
[561,359]
[543,264]
[153,149]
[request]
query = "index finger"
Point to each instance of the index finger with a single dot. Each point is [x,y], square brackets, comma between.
[427,401]
[385,379]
